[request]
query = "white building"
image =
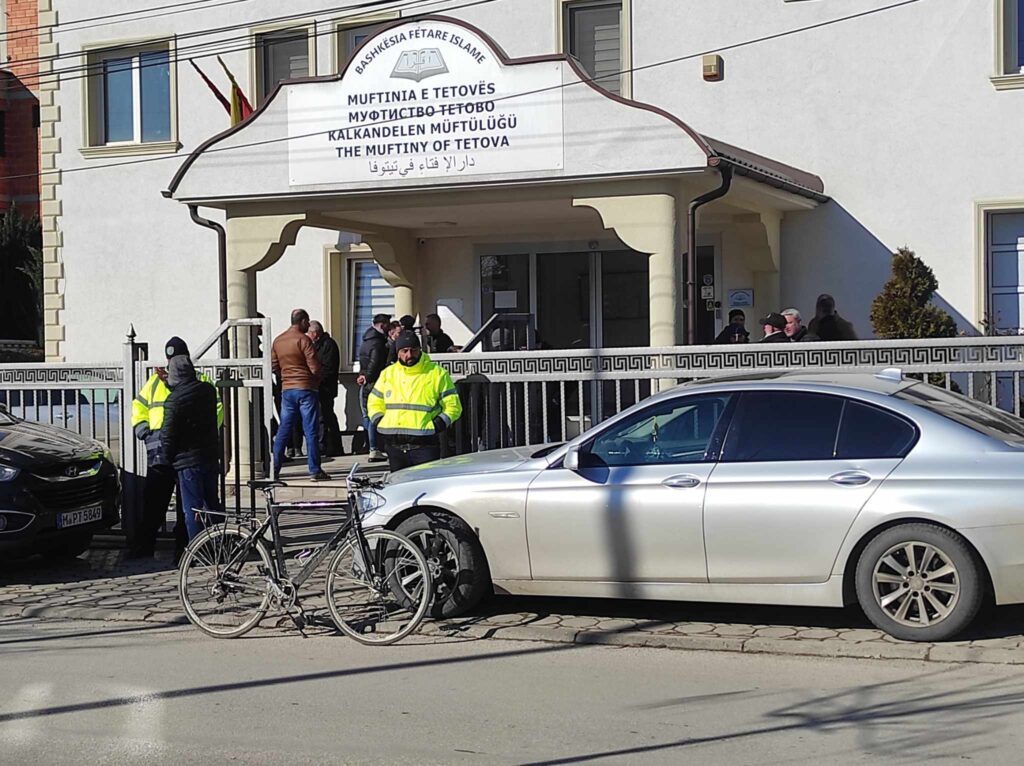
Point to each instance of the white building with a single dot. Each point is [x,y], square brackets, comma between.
[849,128]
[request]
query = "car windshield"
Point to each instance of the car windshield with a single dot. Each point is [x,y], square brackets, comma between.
[979,417]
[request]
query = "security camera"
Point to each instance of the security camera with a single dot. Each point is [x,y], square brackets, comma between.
[421,241]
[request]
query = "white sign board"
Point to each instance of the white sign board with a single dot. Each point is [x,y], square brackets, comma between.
[425,100]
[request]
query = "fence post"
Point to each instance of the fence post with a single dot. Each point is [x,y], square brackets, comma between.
[133,465]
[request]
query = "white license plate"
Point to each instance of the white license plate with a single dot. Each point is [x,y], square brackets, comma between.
[81,516]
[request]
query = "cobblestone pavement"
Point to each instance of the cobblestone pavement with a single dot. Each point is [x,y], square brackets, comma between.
[103,585]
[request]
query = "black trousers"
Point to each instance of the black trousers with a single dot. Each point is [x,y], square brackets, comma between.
[330,429]
[406,455]
[161,481]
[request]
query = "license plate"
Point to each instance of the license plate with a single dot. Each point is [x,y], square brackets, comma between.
[81,516]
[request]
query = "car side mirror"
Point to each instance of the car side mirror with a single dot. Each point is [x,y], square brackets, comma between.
[572,458]
[3,408]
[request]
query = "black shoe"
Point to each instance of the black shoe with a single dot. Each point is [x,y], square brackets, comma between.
[320,476]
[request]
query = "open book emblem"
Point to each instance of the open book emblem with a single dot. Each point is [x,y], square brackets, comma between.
[419,65]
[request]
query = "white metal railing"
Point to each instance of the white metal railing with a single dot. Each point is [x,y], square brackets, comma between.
[514,398]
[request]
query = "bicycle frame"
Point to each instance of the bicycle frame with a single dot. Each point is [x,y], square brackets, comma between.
[279,561]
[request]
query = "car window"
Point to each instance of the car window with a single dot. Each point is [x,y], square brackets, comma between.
[674,431]
[870,432]
[783,425]
[967,412]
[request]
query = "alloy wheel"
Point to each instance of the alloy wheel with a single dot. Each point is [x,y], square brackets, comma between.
[916,584]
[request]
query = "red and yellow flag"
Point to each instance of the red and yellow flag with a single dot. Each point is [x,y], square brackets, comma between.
[240,106]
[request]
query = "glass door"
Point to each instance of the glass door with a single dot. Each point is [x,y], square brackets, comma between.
[564,300]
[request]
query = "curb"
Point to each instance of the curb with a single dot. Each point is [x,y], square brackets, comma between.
[803,647]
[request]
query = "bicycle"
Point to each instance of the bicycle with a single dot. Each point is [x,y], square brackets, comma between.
[378,583]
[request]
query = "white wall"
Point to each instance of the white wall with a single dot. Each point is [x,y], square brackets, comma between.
[894,111]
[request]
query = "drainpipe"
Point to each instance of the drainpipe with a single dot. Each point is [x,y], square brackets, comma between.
[222,268]
[691,249]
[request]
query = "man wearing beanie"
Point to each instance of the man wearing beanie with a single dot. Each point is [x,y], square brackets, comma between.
[161,479]
[190,443]
[413,402]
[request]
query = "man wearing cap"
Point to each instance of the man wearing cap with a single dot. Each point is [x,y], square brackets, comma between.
[147,420]
[412,403]
[774,325]
[190,442]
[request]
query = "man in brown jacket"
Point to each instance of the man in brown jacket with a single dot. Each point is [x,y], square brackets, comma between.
[294,361]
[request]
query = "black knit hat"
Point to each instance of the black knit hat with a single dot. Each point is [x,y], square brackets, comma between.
[406,340]
[175,347]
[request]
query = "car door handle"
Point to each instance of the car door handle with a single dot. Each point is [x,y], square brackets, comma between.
[850,478]
[682,481]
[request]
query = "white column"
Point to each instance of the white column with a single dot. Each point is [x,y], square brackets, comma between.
[647,223]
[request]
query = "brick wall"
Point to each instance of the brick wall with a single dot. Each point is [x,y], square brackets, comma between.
[19,165]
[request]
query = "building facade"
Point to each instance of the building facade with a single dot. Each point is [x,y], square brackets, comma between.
[837,131]
[20,35]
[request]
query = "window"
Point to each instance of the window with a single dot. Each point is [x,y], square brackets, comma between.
[350,38]
[783,425]
[369,294]
[281,56]
[1005,272]
[593,34]
[130,97]
[1009,44]
[978,417]
[868,432]
[675,431]
[504,284]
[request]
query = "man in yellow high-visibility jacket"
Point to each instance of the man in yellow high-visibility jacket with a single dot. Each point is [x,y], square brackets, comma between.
[161,478]
[412,402]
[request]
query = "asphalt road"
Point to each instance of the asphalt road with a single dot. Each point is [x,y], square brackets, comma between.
[113,693]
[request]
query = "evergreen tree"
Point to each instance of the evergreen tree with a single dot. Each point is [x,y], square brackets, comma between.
[903,308]
[21,276]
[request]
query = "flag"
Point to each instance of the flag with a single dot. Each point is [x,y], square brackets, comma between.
[216,92]
[240,106]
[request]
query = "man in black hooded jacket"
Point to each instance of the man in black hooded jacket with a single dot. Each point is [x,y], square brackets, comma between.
[373,358]
[190,442]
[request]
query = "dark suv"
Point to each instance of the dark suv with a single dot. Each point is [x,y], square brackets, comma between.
[57,489]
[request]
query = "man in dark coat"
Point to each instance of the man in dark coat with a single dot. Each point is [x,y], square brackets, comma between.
[795,326]
[774,325]
[436,340]
[729,333]
[190,442]
[330,363]
[373,358]
[827,324]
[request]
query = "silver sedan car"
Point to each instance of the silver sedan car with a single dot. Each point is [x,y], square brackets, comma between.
[800,489]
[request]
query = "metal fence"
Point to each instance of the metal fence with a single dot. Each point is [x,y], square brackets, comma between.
[509,398]
[513,399]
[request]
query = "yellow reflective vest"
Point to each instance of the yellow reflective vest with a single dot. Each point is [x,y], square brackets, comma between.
[148,405]
[405,400]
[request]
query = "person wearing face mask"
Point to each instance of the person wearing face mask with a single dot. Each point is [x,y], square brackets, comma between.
[412,403]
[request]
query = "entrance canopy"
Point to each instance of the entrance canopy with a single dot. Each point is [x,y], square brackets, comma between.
[435,104]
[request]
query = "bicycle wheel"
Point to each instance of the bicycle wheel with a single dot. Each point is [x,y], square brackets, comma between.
[384,601]
[224,601]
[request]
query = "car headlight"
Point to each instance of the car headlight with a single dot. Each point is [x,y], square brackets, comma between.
[8,472]
[370,502]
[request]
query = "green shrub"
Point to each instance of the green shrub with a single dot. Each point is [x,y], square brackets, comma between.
[21,277]
[903,308]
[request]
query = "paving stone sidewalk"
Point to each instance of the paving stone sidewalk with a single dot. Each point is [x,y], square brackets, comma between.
[103,585]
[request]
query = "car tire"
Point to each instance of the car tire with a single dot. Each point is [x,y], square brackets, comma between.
[892,591]
[456,559]
[70,547]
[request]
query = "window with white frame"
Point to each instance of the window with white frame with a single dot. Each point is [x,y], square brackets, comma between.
[369,294]
[1005,246]
[593,34]
[130,96]
[1010,31]
[281,55]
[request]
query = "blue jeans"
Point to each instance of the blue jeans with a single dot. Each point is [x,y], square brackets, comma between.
[369,426]
[296,404]
[198,488]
